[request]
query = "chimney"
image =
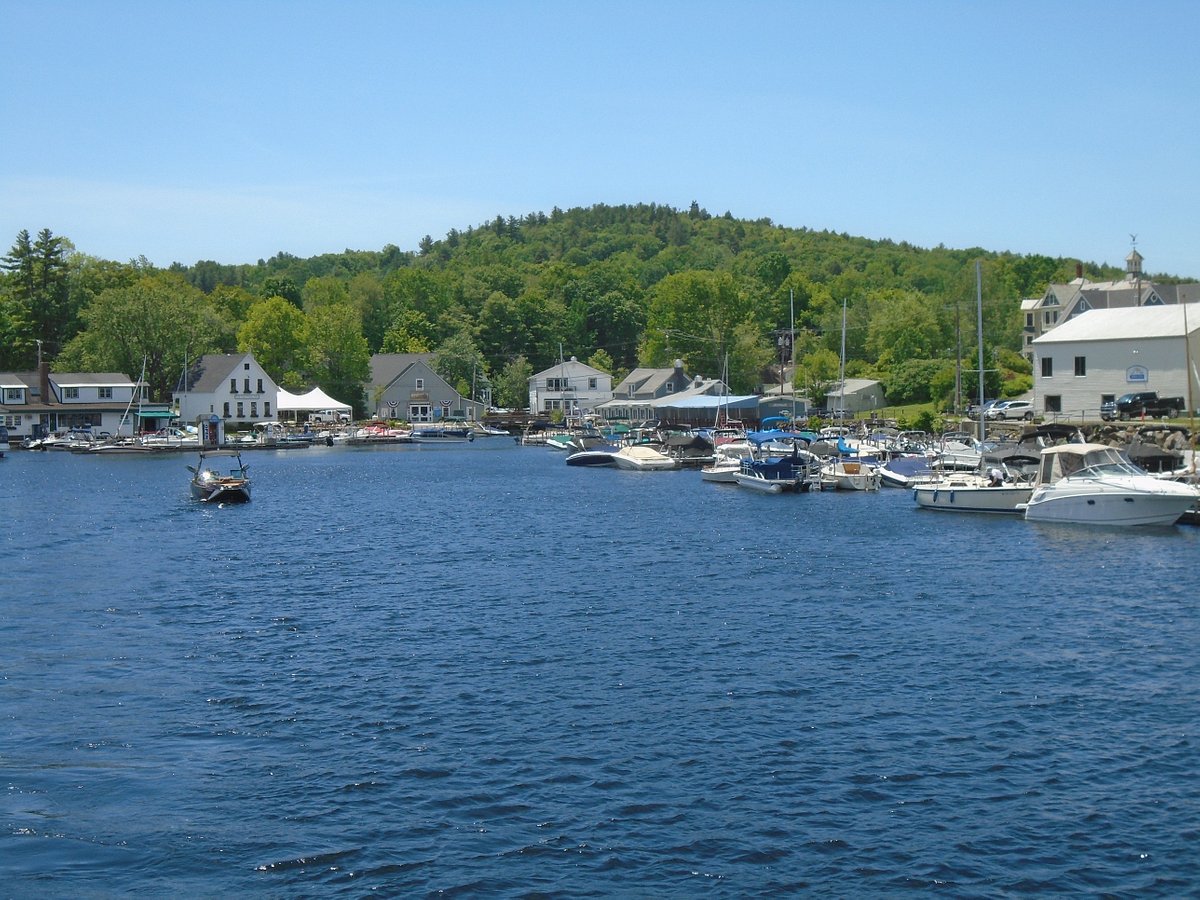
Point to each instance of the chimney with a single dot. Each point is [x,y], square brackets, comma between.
[1078,270]
[44,381]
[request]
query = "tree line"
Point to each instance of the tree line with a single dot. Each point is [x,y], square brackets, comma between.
[618,286]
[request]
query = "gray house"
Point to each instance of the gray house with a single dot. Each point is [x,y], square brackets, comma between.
[634,398]
[405,386]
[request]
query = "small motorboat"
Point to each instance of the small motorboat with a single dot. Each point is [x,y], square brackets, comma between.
[210,485]
[641,458]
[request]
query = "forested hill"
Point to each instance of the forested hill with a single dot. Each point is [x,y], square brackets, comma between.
[617,285]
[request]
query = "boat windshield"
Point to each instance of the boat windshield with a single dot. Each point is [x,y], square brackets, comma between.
[1102,463]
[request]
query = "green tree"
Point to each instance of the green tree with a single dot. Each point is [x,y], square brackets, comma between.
[324,291]
[281,286]
[38,291]
[817,372]
[407,334]
[511,386]
[693,315]
[159,319]
[750,355]
[903,326]
[460,363]
[339,360]
[274,331]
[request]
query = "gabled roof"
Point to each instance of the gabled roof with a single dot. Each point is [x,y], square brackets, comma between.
[387,367]
[1125,323]
[647,381]
[210,371]
[570,367]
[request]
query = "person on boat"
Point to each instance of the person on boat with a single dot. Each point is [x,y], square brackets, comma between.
[995,477]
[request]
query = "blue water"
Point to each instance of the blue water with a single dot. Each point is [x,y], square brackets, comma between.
[476,671]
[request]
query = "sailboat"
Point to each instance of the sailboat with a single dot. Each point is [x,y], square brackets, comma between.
[996,491]
[132,442]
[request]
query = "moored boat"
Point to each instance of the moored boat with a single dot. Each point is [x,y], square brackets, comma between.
[972,492]
[642,458]
[1093,484]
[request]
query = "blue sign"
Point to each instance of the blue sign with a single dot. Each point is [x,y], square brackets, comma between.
[1137,375]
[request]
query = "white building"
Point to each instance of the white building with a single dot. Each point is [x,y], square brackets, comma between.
[1063,302]
[33,404]
[230,385]
[1097,356]
[571,386]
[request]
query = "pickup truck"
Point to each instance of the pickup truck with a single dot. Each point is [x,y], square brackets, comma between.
[1142,404]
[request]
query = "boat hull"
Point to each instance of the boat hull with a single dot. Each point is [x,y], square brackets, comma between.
[1119,508]
[1005,499]
[227,492]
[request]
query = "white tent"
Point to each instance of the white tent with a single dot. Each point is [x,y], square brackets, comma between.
[314,401]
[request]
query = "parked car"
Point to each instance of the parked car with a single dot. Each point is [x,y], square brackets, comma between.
[973,409]
[1011,409]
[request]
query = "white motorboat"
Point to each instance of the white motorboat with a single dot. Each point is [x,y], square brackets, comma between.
[1093,484]
[843,474]
[641,458]
[972,492]
[727,462]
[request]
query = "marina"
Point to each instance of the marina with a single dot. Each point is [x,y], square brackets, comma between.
[385,675]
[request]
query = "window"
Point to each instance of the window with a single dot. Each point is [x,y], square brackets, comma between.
[12,395]
[1047,367]
[1081,367]
[420,386]
[104,393]
[558,384]
[247,385]
[241,410]
[246,366]
[1029,320]
[260,390]
[254,409]
[233,385]
[591,384]
[267,408]
[70,393]
[1053,403]
[226,412]
[670,387]
[1050,317]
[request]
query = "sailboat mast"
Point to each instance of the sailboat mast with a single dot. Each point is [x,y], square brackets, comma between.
[979,332]
[842,401]
[792,310]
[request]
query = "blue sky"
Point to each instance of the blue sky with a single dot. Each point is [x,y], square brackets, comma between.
[233,130]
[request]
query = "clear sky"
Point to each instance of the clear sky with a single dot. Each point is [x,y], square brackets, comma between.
[233,130]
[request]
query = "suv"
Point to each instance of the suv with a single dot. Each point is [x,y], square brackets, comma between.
[1011,409]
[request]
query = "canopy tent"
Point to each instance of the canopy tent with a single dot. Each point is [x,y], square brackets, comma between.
[314,400]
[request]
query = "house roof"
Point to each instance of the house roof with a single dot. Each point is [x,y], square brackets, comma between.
[1136,322]
[210,371]
[387,367]
[571,366]
[91,379]
[646,380]
[67,379]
